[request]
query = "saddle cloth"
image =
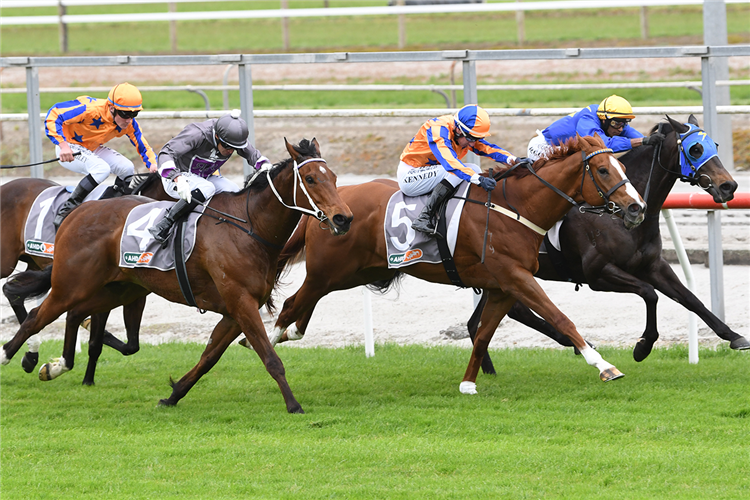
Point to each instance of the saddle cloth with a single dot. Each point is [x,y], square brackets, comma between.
[139,249]
[39,232]
[405,246]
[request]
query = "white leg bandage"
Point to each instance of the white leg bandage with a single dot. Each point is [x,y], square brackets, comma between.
[595,359]
[467,387]
[293,333]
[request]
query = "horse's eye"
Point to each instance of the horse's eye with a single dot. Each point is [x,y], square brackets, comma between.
[309,179]
[603,171]
[696,151]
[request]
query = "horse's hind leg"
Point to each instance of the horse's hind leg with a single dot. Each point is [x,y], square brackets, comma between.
[222,336]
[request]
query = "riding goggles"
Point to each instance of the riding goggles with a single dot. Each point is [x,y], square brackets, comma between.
[619,123]
[469,137]
[696,148]
[128,115]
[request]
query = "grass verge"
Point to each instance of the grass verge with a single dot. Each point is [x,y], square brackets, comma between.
[392,426]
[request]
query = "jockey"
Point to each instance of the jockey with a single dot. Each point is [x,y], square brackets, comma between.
[189,163]
[609,119]
[83,126]
[431,162]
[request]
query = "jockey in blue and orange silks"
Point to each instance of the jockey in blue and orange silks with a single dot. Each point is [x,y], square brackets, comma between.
[431,162]
[83,126]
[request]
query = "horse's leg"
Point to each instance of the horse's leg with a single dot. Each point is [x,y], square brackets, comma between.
[472,325]
[98,321]
[613,279]
[132,314]
[667,282]
[58,366]
[524,315]
[36,320]
[496,307]
[521,284]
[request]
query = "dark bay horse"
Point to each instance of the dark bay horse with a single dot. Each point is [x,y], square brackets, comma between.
[16,198]
[232,268]
[602,253]
[359,258]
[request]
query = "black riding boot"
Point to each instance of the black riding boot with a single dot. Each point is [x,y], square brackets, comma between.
[122,186]
[423,222]
[161,230]
[82,190]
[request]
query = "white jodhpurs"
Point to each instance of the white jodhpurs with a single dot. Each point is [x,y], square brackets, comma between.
[215,184]
[414,181]
[538,147]
[98,163]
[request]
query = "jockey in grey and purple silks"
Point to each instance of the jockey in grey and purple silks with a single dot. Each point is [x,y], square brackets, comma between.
[189,164]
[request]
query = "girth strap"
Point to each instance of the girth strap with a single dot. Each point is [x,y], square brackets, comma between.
[445,253]
[179,265]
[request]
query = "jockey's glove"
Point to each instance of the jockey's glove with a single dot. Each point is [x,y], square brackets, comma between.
[653,140]
[487,183]
[263,163]
[183,188]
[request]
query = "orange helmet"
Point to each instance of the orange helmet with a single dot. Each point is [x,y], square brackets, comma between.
[473,121]
[126,97]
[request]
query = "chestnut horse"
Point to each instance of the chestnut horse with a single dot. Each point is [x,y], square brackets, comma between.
[631,261]
[508,271]
[16,198]
[231,270]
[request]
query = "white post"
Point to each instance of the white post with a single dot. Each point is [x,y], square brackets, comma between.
[367,309]
[520,26]
[285,25]
[685,263]
[716,263]
[401,28]
[173,28]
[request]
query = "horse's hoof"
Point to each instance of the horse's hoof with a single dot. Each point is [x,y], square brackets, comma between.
[244,343]
[298,410]
[29,361]
[89,383]
[50,371]
[642,349]
[166,402]
[4,360]
[610,374]
[739,344]
[467,387]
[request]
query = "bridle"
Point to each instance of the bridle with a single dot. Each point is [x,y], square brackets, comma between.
[315,212]
[609,206]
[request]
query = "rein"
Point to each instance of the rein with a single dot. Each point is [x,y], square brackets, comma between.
[315,212]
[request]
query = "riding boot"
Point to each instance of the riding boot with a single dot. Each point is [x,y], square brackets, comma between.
[423,222]
[160,231]
[122,186]
[82,190]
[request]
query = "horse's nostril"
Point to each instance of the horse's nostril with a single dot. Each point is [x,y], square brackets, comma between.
[634,209]
[341,221]
[728,187]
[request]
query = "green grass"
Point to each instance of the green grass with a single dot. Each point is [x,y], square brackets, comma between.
[392,426]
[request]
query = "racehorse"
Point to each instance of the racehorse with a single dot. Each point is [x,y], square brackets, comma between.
[16,198]
[601,252]
[582,170]
[231,270]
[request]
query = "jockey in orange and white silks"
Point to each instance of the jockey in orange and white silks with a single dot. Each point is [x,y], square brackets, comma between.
[83,125]
[431,162]
[609,119]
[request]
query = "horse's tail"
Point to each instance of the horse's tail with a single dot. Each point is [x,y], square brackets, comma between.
[293,251]
[384,286]
[28,285]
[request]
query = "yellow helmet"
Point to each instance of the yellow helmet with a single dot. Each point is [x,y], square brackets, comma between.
[126,97]
[473,121]
[614,106]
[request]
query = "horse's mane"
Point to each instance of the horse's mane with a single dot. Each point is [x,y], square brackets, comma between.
[255,183]
[558,153]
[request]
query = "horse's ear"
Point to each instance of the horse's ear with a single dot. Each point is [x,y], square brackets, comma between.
[315,144]
[292,152]
[680,128]
[692,119]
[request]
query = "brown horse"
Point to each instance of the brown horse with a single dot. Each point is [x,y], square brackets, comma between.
[231,270]
[508,271]
[16,198]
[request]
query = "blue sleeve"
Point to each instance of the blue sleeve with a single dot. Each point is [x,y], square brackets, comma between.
[590,126]
[631,133]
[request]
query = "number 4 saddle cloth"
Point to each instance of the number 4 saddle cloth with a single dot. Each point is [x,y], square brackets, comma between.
[139,249]
[405,246]
[39,232]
